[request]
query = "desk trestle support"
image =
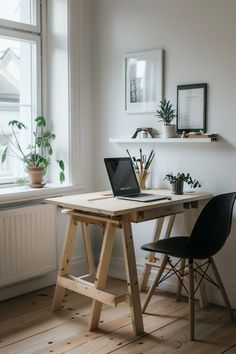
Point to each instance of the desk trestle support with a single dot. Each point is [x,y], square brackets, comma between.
[156,236]
[96,290]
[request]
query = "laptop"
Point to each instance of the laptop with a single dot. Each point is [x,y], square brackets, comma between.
[124,182]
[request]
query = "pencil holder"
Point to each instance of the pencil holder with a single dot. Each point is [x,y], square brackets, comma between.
[142,178]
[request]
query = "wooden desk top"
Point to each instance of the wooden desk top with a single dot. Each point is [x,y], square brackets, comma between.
[105,204]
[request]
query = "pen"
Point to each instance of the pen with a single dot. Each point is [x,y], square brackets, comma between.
[132,159]
[135,163]
[150,161]
[147,164]
[141,159]
[128,153]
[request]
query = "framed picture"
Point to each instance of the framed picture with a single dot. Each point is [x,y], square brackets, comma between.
[143,81]
[191,108]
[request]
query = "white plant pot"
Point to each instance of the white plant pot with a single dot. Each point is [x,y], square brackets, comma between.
[168,131]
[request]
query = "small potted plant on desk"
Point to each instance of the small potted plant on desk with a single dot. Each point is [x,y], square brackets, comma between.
[38,156]
[166,114]
[177,182]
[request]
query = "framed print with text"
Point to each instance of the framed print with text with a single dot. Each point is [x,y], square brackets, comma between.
[143,81]
[191,108]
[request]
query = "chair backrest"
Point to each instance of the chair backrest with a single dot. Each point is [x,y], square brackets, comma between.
[213,225]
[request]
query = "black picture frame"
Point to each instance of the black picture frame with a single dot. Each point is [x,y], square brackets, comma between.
[191,108]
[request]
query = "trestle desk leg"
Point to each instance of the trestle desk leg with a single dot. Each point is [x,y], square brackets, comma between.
[88,247]
[132,277]
[102,271]
[147,268]
[65,261]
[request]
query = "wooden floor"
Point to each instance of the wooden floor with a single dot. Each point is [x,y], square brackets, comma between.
[27,325]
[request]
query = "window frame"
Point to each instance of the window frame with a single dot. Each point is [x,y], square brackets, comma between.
[27,33]
[15,25]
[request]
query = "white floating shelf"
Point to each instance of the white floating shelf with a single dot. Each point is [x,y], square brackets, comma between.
[160,140]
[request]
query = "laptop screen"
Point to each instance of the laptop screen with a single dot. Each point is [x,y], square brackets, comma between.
[122,176]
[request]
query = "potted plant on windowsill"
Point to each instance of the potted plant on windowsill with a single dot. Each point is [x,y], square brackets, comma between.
[166,114]
[177,182]
[38,155]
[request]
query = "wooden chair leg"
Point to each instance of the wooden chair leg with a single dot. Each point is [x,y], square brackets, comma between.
[191,298]
[179,285]
[222,288]
[154,285]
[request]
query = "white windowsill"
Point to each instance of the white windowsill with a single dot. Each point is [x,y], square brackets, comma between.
[16,194]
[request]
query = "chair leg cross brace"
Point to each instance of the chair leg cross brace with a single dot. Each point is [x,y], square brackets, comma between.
[177,272]
[180,273]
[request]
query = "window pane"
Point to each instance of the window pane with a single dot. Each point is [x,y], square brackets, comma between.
[17,97]
[23,11]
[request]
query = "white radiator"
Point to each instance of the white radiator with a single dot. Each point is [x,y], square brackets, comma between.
[27,242]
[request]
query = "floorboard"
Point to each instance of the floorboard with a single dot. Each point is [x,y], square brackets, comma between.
[28,326]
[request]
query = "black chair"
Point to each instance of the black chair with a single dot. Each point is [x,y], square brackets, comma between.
[207,238]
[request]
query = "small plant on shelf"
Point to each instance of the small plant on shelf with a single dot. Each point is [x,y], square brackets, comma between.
[177,181]
[166,112]
[38,155]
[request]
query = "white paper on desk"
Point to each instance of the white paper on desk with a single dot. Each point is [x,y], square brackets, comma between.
[190,110]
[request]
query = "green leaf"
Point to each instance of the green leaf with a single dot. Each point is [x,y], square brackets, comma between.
[50,151]
[16,123]
[61,164]
[62,177]
[40,121]
[4,155]
[48,136]
[166,112]
[21,181]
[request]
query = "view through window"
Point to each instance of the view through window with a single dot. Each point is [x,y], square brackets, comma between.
[22,11]
[19,78]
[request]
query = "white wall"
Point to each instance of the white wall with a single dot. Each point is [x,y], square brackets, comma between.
[199,42]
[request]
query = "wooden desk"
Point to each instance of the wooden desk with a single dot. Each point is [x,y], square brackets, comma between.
[103,209]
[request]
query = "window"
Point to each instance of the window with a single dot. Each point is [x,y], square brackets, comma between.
[21,14]
[20,74]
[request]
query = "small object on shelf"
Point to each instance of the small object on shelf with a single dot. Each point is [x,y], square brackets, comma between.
[184,134]
[191,135]
[143,133]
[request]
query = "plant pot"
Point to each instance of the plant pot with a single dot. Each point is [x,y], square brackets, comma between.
[168,131]
[35,176]
[178,187]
